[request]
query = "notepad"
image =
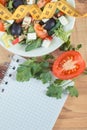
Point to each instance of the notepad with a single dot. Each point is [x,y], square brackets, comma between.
[24,105]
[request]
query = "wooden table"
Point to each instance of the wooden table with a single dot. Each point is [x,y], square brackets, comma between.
[74,113]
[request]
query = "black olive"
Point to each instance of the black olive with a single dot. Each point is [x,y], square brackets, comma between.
[16,3]
[50,24]
[41,22]
[16,29]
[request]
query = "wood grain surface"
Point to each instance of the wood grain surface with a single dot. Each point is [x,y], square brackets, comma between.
[74,113]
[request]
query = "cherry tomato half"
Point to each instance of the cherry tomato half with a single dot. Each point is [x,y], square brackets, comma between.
[60,14]
[40,31]
[68,65]
[3,2]
[19,20]
[2,27]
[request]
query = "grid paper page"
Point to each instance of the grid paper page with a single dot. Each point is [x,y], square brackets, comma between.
[25,106]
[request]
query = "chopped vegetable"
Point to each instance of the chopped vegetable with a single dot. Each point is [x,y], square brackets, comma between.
[41,32]
[2,29]
[18,39]
[50,24]
[17,3]
[57,25]
[31,36]
[31,29]
[26,22]
[7,39]
[3,2]
[46,43]
[16,29]
[63,20]
[10,4]
[33,44]
[62,34]
[59,14]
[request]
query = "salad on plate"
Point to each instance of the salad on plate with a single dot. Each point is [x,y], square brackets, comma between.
[28,36]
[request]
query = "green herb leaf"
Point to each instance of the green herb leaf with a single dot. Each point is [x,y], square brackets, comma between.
[59,81]
[44,64]
[28,62]
[62,34]
[31,29]
[46,57]
[10,4]
[78,46]
[65,46]
[38,70]
[35,68]
[45,77]
[72,91]
[51,31]
[23,74]
[34,44]
[8,30]
[54,91]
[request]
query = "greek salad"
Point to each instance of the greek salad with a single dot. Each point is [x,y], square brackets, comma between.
[32,33]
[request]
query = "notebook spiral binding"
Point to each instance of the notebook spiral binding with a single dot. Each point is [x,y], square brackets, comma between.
[3,70]
[15,60]
[4,73]
[7,66]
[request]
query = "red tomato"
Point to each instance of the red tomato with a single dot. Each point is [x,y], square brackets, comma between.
[3,2]
[41,3]
[19,20]
[60,14]
[49,38]
[68,65]
[40,31]
[2,27]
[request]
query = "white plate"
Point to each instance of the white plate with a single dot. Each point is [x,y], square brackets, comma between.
[19,50]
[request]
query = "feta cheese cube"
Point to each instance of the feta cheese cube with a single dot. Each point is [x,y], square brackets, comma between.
[31,36]
[10,21]
[26,21]
[46,43]
[45,20]
[63,20]
[30,2]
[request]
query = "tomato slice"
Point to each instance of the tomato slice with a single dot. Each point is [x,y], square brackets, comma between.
[40,31]
[68,65]
[3,2]
[2,27]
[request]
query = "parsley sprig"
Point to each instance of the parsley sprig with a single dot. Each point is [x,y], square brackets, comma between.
[41,70]
[67,46]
